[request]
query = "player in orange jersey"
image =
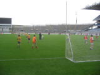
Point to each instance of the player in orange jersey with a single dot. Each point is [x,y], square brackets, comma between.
[34,40]
[29,37]
[19,40]
[97,36]
[85,38]
[91,42]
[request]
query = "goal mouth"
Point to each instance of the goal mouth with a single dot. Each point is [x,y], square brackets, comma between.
[77,50]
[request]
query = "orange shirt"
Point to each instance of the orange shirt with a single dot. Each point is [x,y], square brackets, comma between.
[91,39]
[34,39]
[85,37]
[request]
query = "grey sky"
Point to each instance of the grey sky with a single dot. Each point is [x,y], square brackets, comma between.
[42,12]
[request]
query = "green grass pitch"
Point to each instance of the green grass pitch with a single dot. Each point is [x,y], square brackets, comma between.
[48,59]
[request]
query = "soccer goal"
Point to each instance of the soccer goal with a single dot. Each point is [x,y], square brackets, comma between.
[79,51]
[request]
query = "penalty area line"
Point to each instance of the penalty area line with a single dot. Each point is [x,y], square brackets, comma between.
[34,59]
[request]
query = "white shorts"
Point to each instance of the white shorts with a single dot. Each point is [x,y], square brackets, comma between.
[92,43]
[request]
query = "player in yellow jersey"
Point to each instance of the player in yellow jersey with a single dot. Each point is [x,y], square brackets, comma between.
[19,40]
[26,35]
[29,37]
[34,42]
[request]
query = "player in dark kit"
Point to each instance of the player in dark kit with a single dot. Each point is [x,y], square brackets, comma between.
[40,36]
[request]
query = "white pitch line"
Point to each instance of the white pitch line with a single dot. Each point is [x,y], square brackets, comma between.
[34,59]
[86,61]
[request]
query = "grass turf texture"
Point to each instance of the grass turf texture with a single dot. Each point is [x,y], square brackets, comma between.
[51,47]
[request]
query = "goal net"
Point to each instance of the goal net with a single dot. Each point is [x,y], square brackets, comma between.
[77,49]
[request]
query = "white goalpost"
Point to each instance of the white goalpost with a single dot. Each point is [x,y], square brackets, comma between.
[68,51]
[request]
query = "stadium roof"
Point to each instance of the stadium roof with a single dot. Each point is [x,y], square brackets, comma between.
[95,6]
[97,18]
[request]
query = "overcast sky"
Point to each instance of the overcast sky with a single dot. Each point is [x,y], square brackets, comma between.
[45,12]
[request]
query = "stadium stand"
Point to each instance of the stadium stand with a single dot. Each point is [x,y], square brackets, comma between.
[5,28]
[49,28]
